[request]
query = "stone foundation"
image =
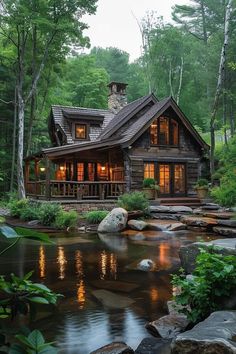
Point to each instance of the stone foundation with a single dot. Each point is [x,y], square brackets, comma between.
[91,206]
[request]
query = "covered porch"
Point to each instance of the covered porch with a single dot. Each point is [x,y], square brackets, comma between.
[80,175]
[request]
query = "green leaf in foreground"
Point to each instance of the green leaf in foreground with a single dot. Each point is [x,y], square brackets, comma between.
[8,231]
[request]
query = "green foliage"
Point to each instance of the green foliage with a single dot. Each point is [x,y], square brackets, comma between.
[214,280]
[17,206]
[202,182]
[225,194]
[149,182]
[65,219]
[29,212]
[133,201]
[96,216]
[48,213]
[18,295]
[33,343]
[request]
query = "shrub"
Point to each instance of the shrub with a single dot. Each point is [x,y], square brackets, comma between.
[30,212]
[48,213]
[17,206]
[214,279]
[149,182]
[133,201]
[95,217]
[66,219]
[202,182]
[225,194]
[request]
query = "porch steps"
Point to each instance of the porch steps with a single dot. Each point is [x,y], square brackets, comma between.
[183,201]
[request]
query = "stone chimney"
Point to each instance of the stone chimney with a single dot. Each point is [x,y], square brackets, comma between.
[117,98]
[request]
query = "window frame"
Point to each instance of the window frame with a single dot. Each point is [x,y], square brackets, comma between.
[86,131]
[170,132]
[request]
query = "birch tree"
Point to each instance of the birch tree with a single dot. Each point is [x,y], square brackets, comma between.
[220,79]
[58,26]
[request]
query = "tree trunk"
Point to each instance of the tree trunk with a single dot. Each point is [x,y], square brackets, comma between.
[20,152]
[219,84]
[13,161]
[180,80]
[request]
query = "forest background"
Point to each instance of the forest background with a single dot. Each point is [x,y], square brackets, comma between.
[191,59]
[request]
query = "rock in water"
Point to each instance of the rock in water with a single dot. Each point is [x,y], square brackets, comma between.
[154,346]
[112,300]
[215,335]
[146,265]
[115,221]
[138,225]
[114,348]
[168,326]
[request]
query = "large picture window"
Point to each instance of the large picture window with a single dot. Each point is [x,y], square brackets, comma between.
[164,131]
[80,131]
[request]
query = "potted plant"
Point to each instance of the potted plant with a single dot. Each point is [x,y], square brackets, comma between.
[202,187]
[150,188]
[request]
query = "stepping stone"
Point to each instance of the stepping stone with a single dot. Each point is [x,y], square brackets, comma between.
[115,285]
[159,209]
[199,221]
[138,225]
[218,215]
[177,227]
[114,348]
[229,223]
[214,335]
[225,231]
[181,209]
[111,300]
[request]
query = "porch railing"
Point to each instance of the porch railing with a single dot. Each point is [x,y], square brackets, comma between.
[54,189]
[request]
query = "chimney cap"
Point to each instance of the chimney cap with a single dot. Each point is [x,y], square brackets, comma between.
[121,84]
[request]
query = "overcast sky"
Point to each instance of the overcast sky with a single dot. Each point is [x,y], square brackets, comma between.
[114,24]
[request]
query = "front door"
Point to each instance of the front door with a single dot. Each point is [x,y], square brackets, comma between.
[172,179]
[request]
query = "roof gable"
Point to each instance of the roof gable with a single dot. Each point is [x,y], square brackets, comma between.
[123,116]
[143,122]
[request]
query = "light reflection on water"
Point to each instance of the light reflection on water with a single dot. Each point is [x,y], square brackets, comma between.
[76,269]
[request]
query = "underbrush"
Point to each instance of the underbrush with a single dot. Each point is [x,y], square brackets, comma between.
[95,217]
[133,201]
[65,219]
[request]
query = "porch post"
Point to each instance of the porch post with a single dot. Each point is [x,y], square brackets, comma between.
[127,170]
[47,186]
[36,175]
[26,174]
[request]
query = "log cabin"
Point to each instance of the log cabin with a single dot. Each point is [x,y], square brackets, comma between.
[102,153]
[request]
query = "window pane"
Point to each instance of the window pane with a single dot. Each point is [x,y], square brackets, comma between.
[175,132]
[80,131]
[179,179]
[164,179]
[164,131]
[91,171]
[80,171]
[153,132]
[149,170]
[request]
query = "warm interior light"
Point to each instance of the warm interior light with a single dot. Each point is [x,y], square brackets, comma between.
[42,169]
[62,168]
[103,168]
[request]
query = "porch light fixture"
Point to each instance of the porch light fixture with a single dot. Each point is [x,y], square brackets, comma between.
[62,167]
[103,168]
[42,169]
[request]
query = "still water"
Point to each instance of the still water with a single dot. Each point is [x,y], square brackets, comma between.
[77,266]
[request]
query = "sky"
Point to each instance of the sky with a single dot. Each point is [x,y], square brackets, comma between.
[115,22]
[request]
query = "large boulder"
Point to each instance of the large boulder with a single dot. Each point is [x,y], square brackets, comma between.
[115,221]
[168,326]
[189,253]
[114,348]
[215,335]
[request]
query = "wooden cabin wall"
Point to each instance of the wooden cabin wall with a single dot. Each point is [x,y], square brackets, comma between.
[188,152]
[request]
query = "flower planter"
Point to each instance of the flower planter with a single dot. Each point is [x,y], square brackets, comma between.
[150,193]
[202,192]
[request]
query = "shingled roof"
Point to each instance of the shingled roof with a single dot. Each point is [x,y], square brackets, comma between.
[61,120]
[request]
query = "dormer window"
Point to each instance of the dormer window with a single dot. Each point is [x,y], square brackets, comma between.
[164,131]
[81,131]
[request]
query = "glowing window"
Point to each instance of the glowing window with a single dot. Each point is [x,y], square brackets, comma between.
[80,171]
[149,170]
[164,131]
[80,131]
